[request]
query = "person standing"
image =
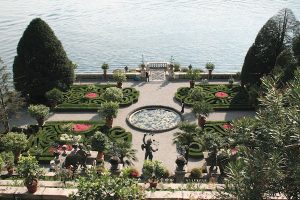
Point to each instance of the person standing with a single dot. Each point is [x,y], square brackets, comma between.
[182,106]
[147,76]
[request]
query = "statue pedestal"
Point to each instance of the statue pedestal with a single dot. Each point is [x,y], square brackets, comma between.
[115,170]
[180,175]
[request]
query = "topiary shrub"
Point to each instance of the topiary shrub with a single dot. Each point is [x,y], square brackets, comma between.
[54,96]
[196,173]
[99,141]
[39,112]
[113,94]
[41,62]
[196,94]
[155,168]
[15,142]
[176,67]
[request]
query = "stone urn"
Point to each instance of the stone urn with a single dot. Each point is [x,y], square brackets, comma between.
[114,162]
[180,162]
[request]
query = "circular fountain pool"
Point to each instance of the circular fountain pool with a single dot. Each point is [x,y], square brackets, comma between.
[154,118]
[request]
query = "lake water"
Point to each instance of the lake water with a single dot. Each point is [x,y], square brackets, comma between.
[120,31]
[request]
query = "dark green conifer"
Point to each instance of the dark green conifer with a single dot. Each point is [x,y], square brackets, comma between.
[41,62]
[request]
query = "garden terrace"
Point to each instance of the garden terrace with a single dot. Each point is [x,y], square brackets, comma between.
[221,97]
[216,127]
[89,97]
[61,133]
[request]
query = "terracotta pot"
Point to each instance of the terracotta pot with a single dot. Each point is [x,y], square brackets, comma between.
[100,156]
[109,122]
[201,121]
[153,184]
[40,121]
[209,74]
[192,84]
[119,84]
[32,186]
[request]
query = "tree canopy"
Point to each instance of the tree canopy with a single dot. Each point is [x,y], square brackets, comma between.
[41,63]
[268,146]
[276,36]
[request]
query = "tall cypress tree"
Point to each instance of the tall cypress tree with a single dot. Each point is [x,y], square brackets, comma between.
[41,62]
[274,37]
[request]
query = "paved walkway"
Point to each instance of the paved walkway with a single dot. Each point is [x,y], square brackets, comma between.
[151,93]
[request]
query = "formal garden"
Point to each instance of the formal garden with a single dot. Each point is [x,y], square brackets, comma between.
[254,157]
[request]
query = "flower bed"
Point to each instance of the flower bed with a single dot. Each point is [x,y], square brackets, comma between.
[81,127]
[88,97]
[221,97]
[196,149]
[55,133]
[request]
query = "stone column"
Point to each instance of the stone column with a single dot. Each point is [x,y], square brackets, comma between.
[180,175]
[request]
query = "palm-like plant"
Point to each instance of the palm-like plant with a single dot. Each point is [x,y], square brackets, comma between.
[188,134]
[124,151]
[105,67]
[202,110]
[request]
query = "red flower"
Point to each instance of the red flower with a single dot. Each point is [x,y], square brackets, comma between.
[227,126]
[234,151]
[221,95]
[134,174]
[81,127]
[91,95]
[59,148]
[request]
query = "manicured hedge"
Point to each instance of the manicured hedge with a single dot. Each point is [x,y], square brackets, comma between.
[238,98]
[196,149]
[50,134]
[75,100]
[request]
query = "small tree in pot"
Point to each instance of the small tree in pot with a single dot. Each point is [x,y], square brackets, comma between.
[99,142]
[54,97]
[210,67]
[113,94]
[105,67]
[153,170]
[29,169]
[8,161]
[202,110]
[193,75]
[15,142]
[109,110]
[119,77]
[39,112]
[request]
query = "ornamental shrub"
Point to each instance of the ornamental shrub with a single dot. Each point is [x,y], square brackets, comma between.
[38,111]
[197,94]
[193,74]
[15,142]
[113,94]
[196,173]
[119,76]
[155,168]
[109,109]
[54,95]
[210,66]
[29,168]
[41,62]
[106,187]
[99,141]
[8,158]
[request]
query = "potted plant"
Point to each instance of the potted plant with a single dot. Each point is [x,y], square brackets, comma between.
[113,94]
[197,94]
[109,110]
[99,142]
[54,97]
[210,67]
[152,171]
[143,66]
[180,162]
[15,142]
[193,75]
[29,169]
[105,67]
[230,81]
[119,77]
[202,110]
[39,112]
[8,161]
[190,67]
